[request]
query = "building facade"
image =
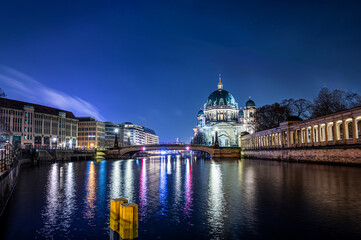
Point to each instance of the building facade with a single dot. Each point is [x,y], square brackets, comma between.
[221,116]
[31,125]
[133,134]
[111,130]
[91,133]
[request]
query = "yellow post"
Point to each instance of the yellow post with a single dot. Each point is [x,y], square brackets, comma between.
[115,207]
[128,223]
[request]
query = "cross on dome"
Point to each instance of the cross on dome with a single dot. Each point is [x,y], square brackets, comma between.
[220,85]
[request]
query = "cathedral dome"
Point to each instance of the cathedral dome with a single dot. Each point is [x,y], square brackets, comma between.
[200,112]
[221,97]
[250,103]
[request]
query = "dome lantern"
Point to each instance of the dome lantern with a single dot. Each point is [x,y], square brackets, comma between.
[220,85]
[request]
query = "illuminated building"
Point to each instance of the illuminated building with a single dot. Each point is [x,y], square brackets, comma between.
[221,115]
[27,125]
[91,133]
[111,129]
[133,134]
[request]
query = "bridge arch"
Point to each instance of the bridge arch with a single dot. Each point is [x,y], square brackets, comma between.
[131,150]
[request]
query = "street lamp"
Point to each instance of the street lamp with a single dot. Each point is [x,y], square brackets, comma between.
[116,138]
[54,142]
[128,138]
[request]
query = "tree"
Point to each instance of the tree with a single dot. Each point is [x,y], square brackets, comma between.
[200,138]
[300,108]
[2,93]
[328,102]
[270,116]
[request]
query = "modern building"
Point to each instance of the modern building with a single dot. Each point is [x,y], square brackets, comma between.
[31,125]
[221,116]
[111,130]
[133,134]
[91,133]
[150,136]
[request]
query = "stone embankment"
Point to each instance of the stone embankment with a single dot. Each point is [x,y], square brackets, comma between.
[350,155]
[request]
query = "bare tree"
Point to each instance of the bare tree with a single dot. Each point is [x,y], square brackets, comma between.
[302,108]
[328,102]
[270,116]
[2,93]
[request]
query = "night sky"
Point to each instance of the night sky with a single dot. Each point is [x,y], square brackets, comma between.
[155,63]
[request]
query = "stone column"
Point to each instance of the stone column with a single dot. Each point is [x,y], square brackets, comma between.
[334,132]
[319,134]
[355,132]
[326,133]
[312,141]
[288,137]
[344,131]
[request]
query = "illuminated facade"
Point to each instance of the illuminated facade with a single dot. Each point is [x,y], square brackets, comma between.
[133,134]
[32,125]
[91,133]
[221,115]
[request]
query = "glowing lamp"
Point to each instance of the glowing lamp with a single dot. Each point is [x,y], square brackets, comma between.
[144,148]
[188,148]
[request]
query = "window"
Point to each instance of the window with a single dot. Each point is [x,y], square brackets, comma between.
[25,129]
[25,137]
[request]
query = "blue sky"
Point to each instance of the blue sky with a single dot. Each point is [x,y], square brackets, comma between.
[155,63]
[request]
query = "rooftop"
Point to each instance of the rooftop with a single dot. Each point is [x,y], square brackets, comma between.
[19,105]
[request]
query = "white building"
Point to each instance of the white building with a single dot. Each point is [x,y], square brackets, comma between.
[133,134]
[222,116]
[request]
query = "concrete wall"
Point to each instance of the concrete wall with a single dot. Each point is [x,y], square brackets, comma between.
[334,154]
[8,181]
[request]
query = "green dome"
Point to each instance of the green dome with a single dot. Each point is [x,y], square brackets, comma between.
[220,97]
[250,103]
[200,112]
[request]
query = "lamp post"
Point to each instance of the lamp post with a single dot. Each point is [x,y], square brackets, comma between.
[116,138]
[54,142]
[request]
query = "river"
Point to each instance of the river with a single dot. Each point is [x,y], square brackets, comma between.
[187,199]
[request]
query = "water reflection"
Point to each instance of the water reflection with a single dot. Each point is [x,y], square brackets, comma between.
[215,210]
[52,205]
[90,194]
[163,190]
[188,191]
[143,190]
[115,181]
[129,181]
[69,203]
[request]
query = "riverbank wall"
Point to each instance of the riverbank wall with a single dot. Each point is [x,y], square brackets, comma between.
[8,181]
[346,155]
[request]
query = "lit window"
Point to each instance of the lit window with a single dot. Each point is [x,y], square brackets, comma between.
[25,137]
[25,129]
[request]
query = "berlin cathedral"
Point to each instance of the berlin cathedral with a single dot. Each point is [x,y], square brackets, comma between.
[221,120]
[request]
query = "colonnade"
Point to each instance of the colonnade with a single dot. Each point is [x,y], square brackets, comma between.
[342,128]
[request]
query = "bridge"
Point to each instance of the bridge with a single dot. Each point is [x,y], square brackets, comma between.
[215,152]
